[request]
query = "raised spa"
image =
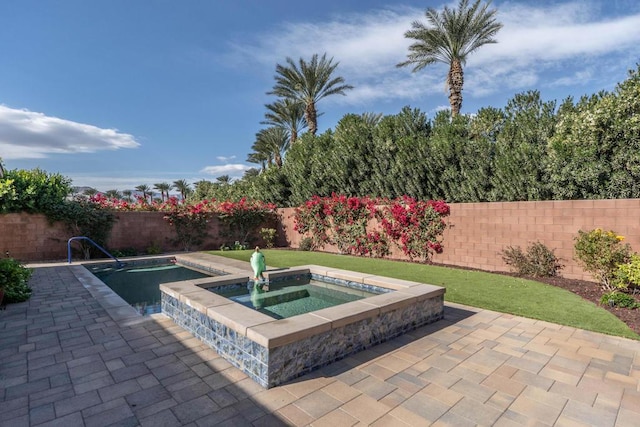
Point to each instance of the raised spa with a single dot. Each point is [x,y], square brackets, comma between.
[290,296]
[272,351]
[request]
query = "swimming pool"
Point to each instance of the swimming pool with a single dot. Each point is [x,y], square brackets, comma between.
[138,282]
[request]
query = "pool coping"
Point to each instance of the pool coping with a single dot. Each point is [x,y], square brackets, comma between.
[268,335]
[272,333]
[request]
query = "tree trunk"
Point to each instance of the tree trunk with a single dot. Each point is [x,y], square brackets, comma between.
[294,136]
[456,81]
[311,115]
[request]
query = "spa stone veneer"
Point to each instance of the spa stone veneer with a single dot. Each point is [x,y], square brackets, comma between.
[273,351]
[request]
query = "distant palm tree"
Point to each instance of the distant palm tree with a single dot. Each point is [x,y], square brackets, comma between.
[259,157]
[307,83]
[163,188]
[275,141]
[449,38]
[286,113]
[127,194]
[1,168]
[251,173]
[145,190]
[223,180]
[90,192]
[183,187]
[113,194]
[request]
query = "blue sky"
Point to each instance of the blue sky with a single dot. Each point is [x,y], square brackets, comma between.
[118,93]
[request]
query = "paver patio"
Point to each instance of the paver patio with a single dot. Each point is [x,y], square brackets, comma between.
[76,356]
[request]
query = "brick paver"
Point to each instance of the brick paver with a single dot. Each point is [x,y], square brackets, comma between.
[73,355]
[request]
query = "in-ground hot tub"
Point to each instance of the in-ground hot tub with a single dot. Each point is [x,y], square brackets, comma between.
[273,351]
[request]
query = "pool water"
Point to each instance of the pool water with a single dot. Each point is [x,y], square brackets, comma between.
[290,298]
[139,285]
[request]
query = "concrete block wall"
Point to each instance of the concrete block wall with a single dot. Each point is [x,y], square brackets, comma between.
[478,232]
[30,237]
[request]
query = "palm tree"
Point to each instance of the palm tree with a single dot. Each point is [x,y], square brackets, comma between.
[286,113]
[251,173]
[113,194]
[145,190]
[1,168]
[262,153]
[163,188]
[90,192]
[449,38]
[223,180]
[127,194]
[183,187]
[275,141]
[258,157]
[307,83]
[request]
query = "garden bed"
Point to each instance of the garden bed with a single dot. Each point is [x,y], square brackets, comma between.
[591,291]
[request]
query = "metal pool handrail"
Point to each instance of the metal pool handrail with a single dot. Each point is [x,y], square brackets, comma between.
[118,262]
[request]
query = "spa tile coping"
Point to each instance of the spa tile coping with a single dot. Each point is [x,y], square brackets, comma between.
[272,333]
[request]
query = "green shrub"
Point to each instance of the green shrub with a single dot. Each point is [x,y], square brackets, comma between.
[33,191]
[13,279]
[628,275]
[538,261]
[268,235]
[306,244]
[619,299]
[84,218]
[237,246]
[154,249]
[125,252]
[600,252]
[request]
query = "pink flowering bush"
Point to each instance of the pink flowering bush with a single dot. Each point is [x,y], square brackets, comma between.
[240,219]
[189,221]
[237,219]
[341,221]
[311,219]
[416,227]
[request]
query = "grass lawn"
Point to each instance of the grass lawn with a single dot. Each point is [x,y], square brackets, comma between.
[495,292]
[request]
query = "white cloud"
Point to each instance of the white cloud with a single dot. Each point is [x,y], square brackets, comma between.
[225,159]
[26,134]
[579,76]
[229,169]
[129,180]
[537,43]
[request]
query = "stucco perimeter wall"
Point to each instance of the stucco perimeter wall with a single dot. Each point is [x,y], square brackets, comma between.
[478,232]
[32,238]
